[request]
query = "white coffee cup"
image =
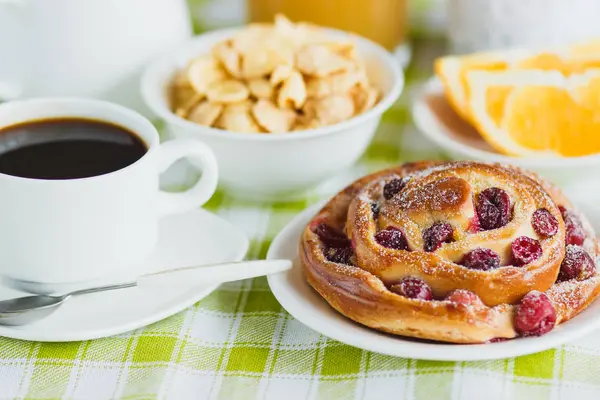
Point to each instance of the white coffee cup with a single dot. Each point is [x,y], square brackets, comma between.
[78,230]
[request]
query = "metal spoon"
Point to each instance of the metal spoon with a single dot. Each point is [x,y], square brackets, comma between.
[25,310]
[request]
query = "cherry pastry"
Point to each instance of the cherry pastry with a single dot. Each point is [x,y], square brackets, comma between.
[459,252]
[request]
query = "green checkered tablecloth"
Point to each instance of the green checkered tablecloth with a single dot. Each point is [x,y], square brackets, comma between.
[238,343]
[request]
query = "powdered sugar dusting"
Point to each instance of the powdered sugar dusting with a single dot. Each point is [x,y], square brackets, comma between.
[441,194]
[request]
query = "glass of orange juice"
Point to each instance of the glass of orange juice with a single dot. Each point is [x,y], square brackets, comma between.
[383,21]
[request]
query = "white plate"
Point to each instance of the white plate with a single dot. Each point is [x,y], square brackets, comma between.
[193,238]
[304,304]
[436,119]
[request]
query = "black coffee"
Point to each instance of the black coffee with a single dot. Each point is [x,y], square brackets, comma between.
[67,148]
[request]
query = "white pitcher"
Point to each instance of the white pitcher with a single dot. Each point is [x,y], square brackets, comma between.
[91,48]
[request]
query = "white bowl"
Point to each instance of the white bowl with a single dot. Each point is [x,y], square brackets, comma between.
[436,119]
[276,166]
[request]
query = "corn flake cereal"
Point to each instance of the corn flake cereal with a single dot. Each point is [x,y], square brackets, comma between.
[331,109]
[271,118]
[229,58]
[280,74]
[261,88]
[237,117]
[274,78]
[293,92]
[205,113]
[203,72]
[228,91]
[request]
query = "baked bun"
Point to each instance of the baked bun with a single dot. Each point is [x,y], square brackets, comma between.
[460,252]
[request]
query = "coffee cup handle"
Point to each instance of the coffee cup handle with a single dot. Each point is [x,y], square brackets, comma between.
[201,192]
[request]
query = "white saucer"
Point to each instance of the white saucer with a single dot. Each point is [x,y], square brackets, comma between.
[304,304]
[193,238]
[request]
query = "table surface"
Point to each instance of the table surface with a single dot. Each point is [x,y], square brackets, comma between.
[238,343]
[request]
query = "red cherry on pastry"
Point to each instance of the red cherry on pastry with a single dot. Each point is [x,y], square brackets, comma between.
[482,259]
[535,315]
[393,187]
[544,223]
[413,288]
[577,264]
[493,208]
[462,296]
[339,255]
[525,250]
[330,237]
[436,234]
[392,238]
[575,234]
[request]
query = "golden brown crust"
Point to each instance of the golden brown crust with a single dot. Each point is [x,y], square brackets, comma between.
[442,191]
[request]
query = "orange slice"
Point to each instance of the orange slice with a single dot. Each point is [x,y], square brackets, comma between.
[453,70]
[537,112]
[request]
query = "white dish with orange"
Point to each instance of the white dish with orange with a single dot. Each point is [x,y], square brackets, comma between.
[536,110]
[280,124]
